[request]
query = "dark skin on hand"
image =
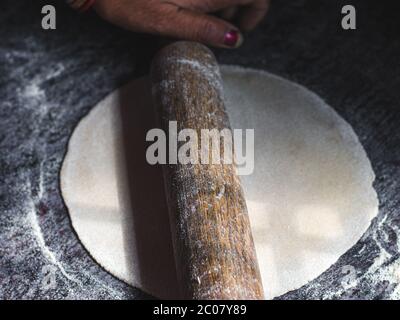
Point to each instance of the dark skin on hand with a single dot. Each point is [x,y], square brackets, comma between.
[187,19]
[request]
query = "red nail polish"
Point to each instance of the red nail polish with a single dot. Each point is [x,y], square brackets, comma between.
[233,39]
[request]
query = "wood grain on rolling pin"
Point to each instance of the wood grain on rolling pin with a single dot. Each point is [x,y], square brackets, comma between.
[214,249]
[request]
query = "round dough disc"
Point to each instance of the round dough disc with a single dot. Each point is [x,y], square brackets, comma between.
[310,197]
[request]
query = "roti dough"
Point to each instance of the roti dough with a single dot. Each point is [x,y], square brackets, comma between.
[310,197]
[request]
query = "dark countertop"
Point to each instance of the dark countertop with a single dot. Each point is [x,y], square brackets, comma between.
[50,79]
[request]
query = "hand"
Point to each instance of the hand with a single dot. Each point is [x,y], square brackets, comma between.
[186,19]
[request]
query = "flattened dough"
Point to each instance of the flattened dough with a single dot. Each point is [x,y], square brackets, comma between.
[310,197]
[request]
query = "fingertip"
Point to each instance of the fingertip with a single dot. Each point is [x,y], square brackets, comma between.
[233,39]
[253,15]
[210,30]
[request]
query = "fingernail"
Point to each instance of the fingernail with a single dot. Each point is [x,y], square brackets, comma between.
[233,39]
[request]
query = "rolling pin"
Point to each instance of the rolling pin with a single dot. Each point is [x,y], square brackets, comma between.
[213,245]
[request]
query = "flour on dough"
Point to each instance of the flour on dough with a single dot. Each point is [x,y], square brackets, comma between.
[309,199]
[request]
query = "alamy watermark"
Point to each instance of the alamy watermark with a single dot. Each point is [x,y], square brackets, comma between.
[209,146]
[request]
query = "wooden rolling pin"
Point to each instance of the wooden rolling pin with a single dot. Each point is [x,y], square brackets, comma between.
[213,244]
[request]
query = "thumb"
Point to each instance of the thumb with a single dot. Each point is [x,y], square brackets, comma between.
[195,26]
